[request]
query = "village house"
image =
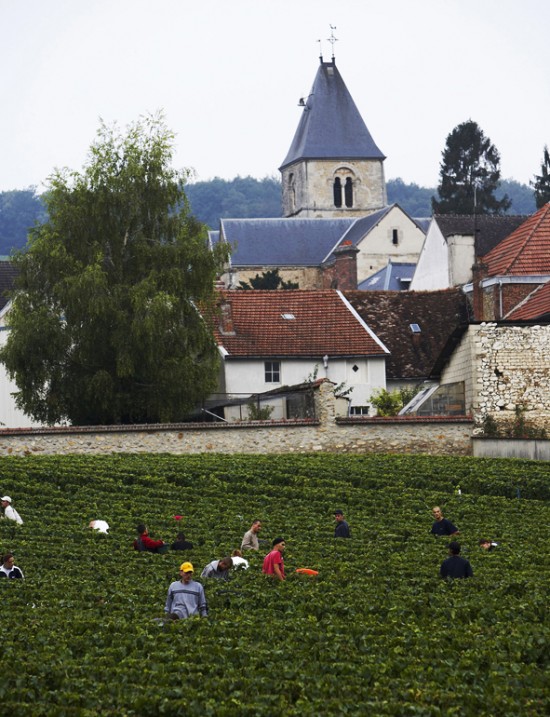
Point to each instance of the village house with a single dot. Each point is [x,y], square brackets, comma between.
[273,339]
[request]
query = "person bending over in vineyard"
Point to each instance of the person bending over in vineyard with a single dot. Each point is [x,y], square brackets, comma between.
[8,569]
[487,545]
[441,525]
[238,560]
[185,596]
[181,544]
[341,529]
[144,543]
[9,510]
[273,561]
[250,539]
[455,566]
[218,569]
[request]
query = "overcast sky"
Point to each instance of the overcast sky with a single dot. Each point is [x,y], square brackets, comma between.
[228,75]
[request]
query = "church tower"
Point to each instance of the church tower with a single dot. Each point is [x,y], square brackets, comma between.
[333,167]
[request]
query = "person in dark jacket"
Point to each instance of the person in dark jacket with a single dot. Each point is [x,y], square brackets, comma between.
[441,525]
[181,544]
[455,566]
[8,569]
[341,530]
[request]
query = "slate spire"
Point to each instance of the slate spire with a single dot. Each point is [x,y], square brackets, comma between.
[331,126]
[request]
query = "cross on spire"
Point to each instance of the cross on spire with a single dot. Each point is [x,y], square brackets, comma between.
[332,39]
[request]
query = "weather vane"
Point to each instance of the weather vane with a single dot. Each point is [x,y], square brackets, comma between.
[320,49]
[332,39]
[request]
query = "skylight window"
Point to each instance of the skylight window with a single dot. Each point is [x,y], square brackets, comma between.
[288,317]
[415,328]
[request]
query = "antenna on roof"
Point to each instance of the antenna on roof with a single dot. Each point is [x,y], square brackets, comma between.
[332,39]
[320,50]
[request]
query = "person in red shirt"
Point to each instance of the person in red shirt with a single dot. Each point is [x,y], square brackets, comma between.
[146,544]
[273,561]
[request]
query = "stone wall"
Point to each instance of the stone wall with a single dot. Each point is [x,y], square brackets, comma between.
[504,367]
[513,368]
[443,436]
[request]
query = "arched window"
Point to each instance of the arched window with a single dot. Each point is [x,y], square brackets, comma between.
[348,192]
[337,189]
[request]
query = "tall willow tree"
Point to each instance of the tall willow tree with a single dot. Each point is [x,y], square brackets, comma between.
[104,324]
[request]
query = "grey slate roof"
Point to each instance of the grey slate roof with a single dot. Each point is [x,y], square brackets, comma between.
[7,278]
[282,242]
[331,126]
[491,230]
[395,276]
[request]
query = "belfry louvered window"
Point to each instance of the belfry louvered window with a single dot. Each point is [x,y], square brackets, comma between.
[348,192]
[337,189]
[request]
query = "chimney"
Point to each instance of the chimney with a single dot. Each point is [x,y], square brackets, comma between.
[227,327]
[345,266]
[479,272]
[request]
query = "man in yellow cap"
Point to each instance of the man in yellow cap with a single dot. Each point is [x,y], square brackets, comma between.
[185,596]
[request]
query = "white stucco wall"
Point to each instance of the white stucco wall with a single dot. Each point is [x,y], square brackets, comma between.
[432,268]
[247,377]
[461,258]
[10,415]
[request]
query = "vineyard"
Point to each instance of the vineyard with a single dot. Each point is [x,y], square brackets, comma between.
[377,632]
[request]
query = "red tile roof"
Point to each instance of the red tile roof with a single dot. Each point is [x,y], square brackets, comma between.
[537,304]
[323,323]
[526,251]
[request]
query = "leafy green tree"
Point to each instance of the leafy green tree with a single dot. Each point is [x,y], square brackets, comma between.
[469,174]
[104,324]
[269,279]
[415,200]
[238,197]
[541,184]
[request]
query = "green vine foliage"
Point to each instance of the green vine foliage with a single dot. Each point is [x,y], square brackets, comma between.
[377,632]
[389,403]
[259,413]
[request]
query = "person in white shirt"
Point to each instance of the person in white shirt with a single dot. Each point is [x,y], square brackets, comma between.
[9,510]
[100,525]
[238,561]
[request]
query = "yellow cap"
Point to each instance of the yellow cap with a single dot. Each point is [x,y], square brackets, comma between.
[186,567]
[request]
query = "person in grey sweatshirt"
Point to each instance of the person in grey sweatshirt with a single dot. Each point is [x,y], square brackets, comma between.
[185,596]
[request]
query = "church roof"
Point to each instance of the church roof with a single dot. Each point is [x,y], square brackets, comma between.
[331,126]
[8,274]
[282,242]
[526,251]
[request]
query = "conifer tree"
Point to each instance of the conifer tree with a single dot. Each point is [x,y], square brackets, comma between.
[469,174]
[541,184]
[104,321]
